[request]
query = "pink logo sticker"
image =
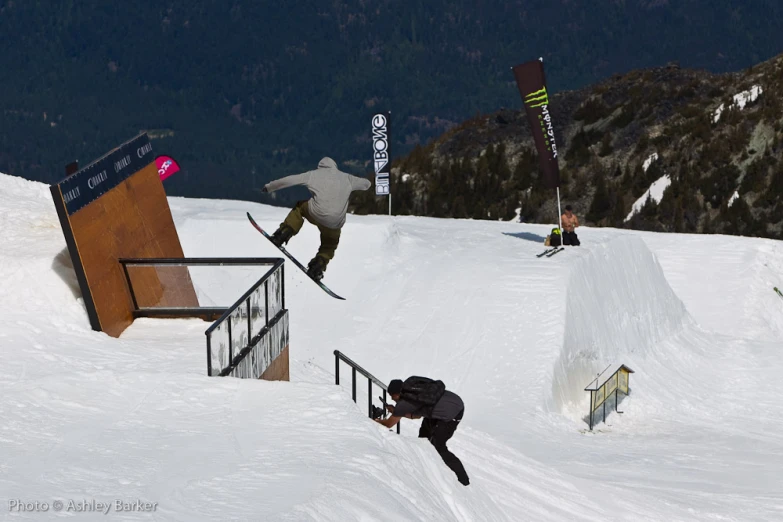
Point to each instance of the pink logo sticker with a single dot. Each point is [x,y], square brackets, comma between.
[166,166]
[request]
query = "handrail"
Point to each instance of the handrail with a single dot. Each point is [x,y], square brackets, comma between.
[342,356]
[235,358]
[596,379]
[238,351]
[339,356]
[618,381]
[278,263]
[182,311]
[206,261]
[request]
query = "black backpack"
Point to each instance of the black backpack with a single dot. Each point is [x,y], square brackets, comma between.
[423,392]
[555,239]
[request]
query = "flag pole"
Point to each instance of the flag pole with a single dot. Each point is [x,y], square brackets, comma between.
[390,161]
[559,213]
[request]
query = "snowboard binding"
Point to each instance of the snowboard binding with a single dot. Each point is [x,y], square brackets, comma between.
[316,267]
[282,235]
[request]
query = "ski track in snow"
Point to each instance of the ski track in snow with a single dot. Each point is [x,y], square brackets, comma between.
[86,416]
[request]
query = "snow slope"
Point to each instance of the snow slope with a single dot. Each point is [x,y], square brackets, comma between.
[655,193]
[739,101]
[89,417]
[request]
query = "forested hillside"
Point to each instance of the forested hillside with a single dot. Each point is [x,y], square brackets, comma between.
[240,92]
[711,144]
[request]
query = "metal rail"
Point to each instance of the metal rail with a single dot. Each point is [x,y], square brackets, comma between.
[339,356]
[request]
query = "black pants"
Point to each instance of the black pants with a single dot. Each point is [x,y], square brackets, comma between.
[439,432]
[569,238]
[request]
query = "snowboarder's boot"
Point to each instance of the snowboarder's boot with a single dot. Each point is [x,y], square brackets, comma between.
[316,267]
[282,235]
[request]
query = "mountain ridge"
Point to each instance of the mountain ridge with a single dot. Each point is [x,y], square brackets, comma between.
[486,168]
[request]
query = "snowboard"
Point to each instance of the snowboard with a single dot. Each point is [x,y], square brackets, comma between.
[292,258]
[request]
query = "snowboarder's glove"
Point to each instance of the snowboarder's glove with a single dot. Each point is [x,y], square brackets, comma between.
[264,189]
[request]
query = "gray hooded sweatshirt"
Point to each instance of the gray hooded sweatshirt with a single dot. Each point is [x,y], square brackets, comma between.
[330,188]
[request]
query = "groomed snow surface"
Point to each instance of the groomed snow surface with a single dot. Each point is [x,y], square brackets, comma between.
[88,418]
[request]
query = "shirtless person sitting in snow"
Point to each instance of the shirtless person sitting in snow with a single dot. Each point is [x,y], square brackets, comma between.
[570,222]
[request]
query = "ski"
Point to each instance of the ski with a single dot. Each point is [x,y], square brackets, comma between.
[548,250]
[778,291]
[555,252]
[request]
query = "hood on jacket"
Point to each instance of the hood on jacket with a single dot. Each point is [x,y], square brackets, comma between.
[327,163]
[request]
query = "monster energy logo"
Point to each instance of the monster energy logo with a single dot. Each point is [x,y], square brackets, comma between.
[538,98]
[549,132]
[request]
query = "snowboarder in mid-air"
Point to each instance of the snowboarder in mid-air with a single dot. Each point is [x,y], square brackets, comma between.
[326,209]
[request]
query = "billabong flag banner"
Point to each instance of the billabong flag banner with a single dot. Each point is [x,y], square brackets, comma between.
[381,158]
[532,88]
[166,166]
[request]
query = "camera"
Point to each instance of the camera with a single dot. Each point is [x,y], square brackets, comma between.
[377,412]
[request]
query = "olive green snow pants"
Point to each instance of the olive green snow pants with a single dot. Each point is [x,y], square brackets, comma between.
[330,237]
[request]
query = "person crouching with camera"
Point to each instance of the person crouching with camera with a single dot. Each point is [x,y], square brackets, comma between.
[442,411]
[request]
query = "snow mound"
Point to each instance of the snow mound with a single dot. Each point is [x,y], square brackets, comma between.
[619,304]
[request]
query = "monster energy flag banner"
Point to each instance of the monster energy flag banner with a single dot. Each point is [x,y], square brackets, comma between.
[532,88]
[380,148]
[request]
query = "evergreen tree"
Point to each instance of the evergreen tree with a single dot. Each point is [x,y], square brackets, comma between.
[707,225]
[619,212]
[601,206]
[606,145]
[522,177]
[458,208]
[679,217]
[482,176]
